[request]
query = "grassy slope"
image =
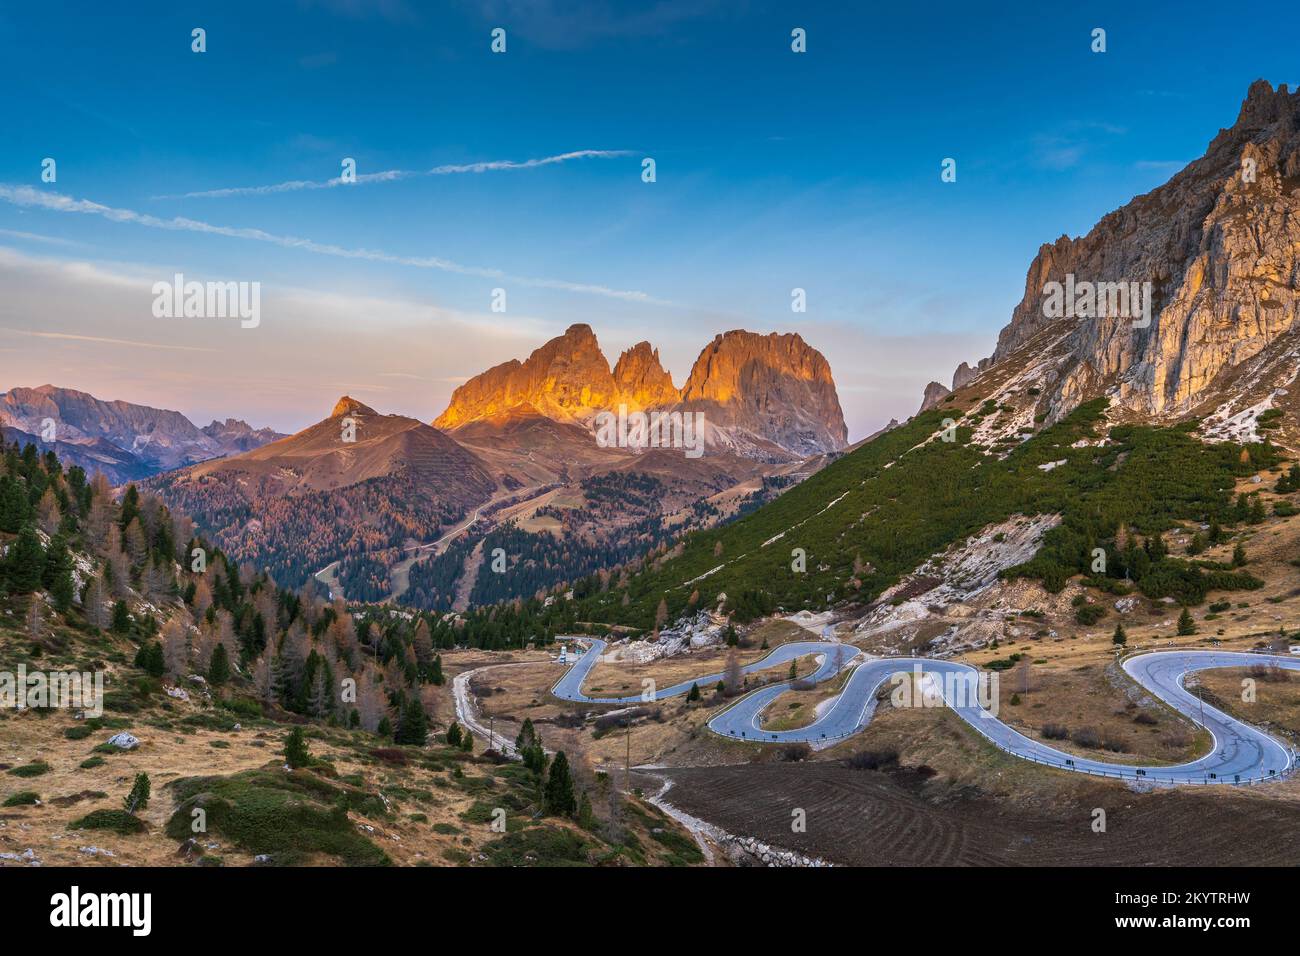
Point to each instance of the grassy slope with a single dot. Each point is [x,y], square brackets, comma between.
[901,498]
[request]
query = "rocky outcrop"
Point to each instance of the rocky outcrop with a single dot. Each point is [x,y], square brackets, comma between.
[769,397]
[567,379]
[963,376]
[934,394]
[347,405]
[640,379]
[768,388]
[1218,249]
[236,436]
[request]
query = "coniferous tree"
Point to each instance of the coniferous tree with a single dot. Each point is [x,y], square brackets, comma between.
[558,795]
[25,562]
[121,618]
[453,734]
[1120,638]
[138,798]
[1186,626]
[219,666]
[149,658]
[295,749]
[413,724]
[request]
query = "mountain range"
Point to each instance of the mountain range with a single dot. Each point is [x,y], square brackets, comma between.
[125,441]
[362,498]
[768,397]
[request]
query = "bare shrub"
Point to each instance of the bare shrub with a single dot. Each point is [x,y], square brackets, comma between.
[872,759]
[792,753]
[1055,731]
[1087,737]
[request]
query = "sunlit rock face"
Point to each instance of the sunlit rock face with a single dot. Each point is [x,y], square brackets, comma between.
[762,396]
[641,380]
[567,379]
[1218,246]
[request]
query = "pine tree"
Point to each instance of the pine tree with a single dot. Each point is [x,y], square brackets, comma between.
[149,658]
[527,735]
[25,562]
[558,795]
[694,694]
[138,798]
[219,666]
[1120,638]
[453,734]
[1256,515]
[1238,555]
[121,618]
[413,725]
[1186,626]
[295,749]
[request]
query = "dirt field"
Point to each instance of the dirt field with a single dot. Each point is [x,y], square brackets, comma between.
[875,818]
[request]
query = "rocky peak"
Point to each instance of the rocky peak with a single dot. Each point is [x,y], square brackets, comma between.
[774,387]
[934,394]
[765,396]
[347,405]
[567,379]
[1215,251]
[641,379]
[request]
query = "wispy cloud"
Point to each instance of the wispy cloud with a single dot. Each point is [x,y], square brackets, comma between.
[394,175]
[100,340]
[35,237]
[27,196]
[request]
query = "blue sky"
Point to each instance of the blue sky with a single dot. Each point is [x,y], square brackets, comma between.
[775,170]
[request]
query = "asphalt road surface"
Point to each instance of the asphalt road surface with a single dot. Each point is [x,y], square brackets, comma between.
[1241,753]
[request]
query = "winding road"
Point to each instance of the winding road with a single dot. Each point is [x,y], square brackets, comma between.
[1241,753]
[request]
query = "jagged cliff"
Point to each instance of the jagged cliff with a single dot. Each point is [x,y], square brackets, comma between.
[1218,246]
[763,396]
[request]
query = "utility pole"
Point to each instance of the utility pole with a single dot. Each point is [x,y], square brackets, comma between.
[492,721]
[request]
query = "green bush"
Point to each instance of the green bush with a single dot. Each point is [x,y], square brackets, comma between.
[31,769]
[119,821]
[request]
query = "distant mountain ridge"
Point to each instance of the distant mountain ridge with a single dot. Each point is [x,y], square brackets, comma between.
[124,440]
[768,397]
